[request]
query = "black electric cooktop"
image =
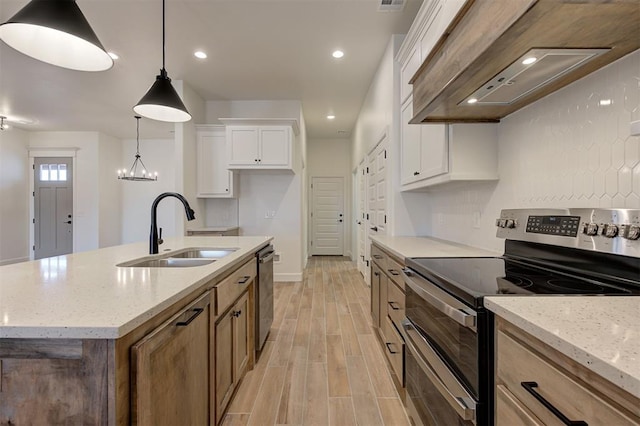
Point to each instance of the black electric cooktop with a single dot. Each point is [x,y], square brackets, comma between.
[472,278]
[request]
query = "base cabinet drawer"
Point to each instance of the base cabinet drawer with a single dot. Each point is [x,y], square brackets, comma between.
[395,303]
[394,348]
[549,392]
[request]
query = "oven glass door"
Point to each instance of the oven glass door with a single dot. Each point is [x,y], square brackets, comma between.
[434,396]
[448,325]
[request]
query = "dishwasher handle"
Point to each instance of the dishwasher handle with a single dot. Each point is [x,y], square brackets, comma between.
[266,257]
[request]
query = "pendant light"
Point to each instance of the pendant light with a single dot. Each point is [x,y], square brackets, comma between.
[134,174]
[56,32]
[162,101]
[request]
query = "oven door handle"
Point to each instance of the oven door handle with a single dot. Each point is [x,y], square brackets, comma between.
[455,313]
[430,363]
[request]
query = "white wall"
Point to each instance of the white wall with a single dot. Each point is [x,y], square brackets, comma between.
[86,183]
[332,158]
[380,113]
[14,193]
[562,151]
[258,192]
[159,156]
[110,201]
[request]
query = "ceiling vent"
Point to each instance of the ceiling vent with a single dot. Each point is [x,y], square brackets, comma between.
[391,5]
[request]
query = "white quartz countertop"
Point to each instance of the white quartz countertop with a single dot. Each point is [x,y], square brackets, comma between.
[86,296]
[428,247]
[601,333]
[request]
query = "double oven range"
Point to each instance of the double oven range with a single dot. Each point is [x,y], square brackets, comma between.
[449,334]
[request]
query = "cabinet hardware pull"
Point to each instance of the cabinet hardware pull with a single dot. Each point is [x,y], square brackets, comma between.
[529,387]
[197,311]
[376,273]
[236,313]
[416,173]
[395,308]
[388,344]
[244,279]
[374,228]
[377,256]
[393,272]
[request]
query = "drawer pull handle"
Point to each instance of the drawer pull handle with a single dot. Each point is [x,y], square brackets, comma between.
[377,256]
[388,344]
[244,279]
[395,308]
[530,387]
[197,311]
[394,272]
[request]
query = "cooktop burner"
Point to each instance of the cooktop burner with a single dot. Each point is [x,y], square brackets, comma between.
[474,277]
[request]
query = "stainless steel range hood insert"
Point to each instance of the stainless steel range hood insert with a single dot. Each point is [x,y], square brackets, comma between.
[533,70]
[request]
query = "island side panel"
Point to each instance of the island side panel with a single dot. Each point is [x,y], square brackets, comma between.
[53,381]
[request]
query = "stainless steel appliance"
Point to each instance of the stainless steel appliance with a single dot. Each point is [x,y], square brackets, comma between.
[264,295]
[449,333]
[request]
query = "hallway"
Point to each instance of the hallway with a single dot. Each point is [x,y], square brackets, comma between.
[322,363]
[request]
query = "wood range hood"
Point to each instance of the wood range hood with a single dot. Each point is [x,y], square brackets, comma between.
[480,55]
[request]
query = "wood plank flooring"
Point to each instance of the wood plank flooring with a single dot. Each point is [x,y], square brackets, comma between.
[321,364]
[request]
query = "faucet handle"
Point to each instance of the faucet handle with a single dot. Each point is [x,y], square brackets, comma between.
[160,240]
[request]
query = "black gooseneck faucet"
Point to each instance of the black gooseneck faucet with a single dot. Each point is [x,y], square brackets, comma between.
[154,241]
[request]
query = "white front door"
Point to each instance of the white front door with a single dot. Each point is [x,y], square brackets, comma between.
[327,216]
[53,202]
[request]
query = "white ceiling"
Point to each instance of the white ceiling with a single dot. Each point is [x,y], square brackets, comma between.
[258,50]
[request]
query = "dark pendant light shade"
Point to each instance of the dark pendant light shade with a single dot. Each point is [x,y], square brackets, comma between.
[56,32]
[162,102]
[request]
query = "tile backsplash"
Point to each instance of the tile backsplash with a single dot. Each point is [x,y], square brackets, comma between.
[572,148]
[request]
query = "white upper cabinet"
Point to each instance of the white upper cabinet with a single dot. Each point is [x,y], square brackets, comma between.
[213,180]
[260,144]
[436,154]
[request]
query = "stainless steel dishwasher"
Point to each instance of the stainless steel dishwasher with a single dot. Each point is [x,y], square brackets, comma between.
[264,295]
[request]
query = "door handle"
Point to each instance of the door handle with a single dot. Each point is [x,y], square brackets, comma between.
[68,221]
[359,223]
[374,228]
[339,220]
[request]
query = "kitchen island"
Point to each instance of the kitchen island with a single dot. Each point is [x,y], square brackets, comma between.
[83,340]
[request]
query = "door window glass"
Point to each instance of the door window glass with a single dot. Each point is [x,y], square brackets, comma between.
[53,172]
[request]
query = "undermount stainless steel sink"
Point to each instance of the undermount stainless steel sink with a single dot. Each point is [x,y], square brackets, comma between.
[203,253]
[183,258]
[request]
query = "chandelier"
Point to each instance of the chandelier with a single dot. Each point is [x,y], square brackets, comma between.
[138,170]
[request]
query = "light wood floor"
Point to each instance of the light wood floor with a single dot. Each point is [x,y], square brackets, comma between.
[321,364]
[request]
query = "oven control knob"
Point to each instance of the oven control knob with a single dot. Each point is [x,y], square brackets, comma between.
[590,229]
[510,223]
[632,232]
[610,230]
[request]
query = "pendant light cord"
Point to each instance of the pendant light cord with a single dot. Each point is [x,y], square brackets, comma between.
[137,136]
[163,35]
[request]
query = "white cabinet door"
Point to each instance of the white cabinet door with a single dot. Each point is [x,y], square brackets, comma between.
[410,141]
[434,157]
[274,146]
[409,68]
[214,180]
[243,145]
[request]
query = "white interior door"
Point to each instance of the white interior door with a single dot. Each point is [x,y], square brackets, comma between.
[361,222]
[327,216]
[376,197]
[53,206]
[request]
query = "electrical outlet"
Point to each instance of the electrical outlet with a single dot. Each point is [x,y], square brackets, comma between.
[476,220]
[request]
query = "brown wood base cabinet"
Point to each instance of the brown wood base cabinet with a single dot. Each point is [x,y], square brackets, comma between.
[181,367]
[387,309]
[537,385]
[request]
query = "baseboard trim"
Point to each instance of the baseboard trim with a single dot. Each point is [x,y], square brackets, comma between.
[16,260]
[287,277]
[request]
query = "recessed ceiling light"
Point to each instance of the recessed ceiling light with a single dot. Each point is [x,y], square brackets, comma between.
[338,54]
[330,117]
[113,55]
[472,101]
[605,102]
[200,54]
[529,60]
